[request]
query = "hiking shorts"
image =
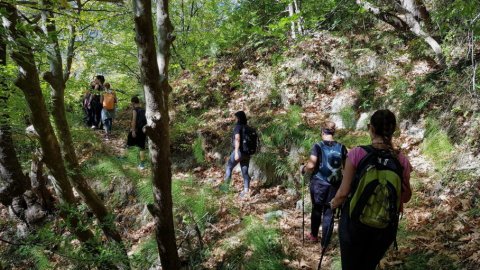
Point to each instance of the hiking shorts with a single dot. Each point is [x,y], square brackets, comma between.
[139,140]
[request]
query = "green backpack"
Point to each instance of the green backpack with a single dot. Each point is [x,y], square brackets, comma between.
[375,198]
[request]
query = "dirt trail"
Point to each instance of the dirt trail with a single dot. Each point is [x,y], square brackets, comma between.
[419,234]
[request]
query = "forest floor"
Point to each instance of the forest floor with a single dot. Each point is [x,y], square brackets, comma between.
[436,231]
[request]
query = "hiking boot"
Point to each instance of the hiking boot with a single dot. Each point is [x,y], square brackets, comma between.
[312,238]
[244,194]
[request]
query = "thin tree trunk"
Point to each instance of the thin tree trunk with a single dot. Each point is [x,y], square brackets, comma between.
[300,19]
[38,182]
[28,81]
[57,80]
[154,76]
[408,24]
[292,27]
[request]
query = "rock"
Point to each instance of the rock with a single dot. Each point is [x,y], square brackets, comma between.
[344,99]
[362,122]
[368,63]
[292,192]
[22,230]
[307,207]
[337,119]
[273,215]
[416,132]
[156,265]
[30,131]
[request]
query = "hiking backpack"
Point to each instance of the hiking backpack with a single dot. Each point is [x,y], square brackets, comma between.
[376,191]
[249,140]
[109,101]
[141,119]
[330,165]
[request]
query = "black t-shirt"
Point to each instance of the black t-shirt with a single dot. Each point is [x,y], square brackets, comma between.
[236,130]
[316,151]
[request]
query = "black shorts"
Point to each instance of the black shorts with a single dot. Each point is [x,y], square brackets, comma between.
[138,141]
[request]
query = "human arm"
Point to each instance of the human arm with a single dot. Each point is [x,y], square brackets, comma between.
[236,144]
[133,123]
[344,190]
[406,188]
[310,167]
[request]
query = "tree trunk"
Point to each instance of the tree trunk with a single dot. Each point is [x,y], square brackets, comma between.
[13,182]
[300,19]
[290,14]
[408,24]
[411,13]
[38,182]
[28,81]
[154,76]
[57,80]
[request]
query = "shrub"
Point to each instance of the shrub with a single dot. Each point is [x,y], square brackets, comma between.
[437,145]
[348,117]
[197,148]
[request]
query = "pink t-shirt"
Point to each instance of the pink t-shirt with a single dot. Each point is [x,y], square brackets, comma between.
[357,154]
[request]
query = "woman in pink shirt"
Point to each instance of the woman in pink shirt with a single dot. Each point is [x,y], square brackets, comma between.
[362,247]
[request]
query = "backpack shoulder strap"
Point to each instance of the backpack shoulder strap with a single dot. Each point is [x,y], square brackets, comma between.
[371,153]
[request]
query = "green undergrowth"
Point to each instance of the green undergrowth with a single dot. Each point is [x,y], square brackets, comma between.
[145,255]
[194,206]
[258,246]
[47,244]
[437,145]
[280,135]
[105,166]
[351,140]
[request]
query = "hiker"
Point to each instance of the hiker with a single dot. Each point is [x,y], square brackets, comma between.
[95,103]
[377,183]
[108,101]
[136,136]
[87,108]
[326,162]
[238,156]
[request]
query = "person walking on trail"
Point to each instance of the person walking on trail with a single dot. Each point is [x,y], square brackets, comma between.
[238,156]
[136,136]
[95,103]
[326,162]
[87,108]
[109,102]
[375,185]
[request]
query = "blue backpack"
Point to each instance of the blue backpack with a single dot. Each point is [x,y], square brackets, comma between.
[330,164]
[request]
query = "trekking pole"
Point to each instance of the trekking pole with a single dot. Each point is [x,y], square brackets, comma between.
[327,240]
[303,210]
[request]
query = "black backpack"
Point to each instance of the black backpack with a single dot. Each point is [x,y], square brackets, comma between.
[141,120]
[249,140]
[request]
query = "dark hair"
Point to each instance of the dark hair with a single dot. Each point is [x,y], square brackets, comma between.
[135,100]
[241,118]
[101,78]
[384,122]
[328,127]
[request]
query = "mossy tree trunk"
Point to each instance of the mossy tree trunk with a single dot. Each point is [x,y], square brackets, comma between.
[154,77]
